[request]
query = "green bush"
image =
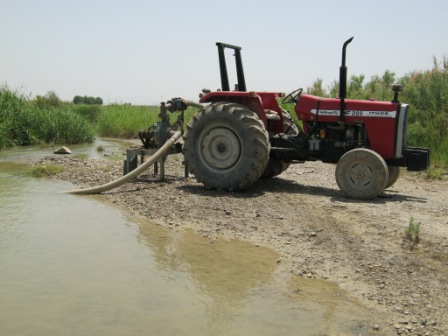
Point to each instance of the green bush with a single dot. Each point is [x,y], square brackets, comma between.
[90,112]
[50,100]
[61,126]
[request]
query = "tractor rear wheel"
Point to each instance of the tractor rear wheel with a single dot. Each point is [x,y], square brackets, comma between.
[226,146]
[362,174]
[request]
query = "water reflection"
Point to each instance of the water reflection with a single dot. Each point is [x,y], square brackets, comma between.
[219,268]
[242,293]
[224,273]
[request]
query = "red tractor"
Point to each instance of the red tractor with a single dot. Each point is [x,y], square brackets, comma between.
[242,136]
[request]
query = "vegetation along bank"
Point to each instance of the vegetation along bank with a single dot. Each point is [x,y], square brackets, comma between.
[48,120]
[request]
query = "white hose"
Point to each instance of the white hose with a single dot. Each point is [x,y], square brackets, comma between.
[133,174]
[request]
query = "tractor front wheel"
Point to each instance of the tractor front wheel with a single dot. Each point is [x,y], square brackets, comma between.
[226,146]
[362,174]
[394,174]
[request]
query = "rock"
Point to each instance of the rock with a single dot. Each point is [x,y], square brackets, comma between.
[62,150]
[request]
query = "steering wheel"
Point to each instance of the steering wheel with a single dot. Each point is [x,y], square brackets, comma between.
[293,97]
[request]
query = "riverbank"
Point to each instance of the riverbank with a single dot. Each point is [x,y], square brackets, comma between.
[318,233]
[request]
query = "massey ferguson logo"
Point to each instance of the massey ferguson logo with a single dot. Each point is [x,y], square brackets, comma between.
[356,113]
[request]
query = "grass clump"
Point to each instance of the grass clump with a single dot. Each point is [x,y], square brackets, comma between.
[412,232]
[436,172]
[46,170]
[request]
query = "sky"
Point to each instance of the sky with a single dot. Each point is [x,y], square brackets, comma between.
[145,52]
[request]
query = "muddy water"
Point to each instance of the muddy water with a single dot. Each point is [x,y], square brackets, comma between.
[70,265]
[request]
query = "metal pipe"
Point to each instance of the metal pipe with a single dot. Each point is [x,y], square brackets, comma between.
[133,174]
[343,80]
[343,71]
[192,103]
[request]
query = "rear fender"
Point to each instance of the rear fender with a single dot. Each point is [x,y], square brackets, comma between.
[250,99]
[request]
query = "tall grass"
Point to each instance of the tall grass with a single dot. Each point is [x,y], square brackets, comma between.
[427,92]
[5,140]
[23,122]
[61,126]
[125,121]
[11,105]
[90,112]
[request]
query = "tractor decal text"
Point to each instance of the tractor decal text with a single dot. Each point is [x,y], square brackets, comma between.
[357,113]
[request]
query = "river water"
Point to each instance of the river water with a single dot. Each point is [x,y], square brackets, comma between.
[71,265]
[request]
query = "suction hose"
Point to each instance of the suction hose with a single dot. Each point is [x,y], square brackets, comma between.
[133,174]
[192,103]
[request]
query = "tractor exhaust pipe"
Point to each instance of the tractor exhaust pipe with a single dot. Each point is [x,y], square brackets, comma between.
[343,79]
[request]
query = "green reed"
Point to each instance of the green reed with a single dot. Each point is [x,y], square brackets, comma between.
[125,121]
[23,122]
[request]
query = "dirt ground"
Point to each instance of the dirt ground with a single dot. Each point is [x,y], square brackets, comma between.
[317,232]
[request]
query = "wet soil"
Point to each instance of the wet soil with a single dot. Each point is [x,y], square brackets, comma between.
[318,233]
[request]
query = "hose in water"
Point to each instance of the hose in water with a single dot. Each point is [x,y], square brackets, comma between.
[133,174]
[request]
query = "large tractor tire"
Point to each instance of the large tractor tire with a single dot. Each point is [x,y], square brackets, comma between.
[362,174]
[226,146]
[275,166]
